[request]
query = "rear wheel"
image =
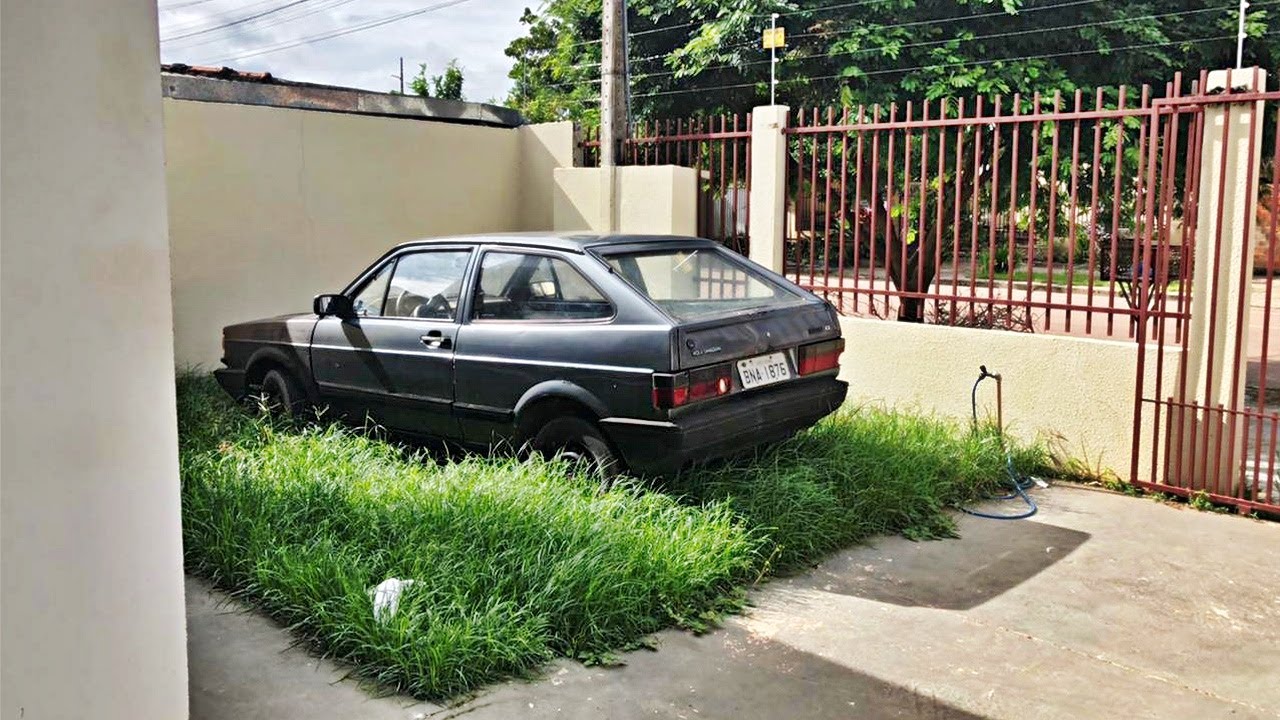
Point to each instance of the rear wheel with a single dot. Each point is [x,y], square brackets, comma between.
[281,393]
[580,442]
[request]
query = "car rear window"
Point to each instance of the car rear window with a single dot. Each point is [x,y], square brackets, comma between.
[692,284]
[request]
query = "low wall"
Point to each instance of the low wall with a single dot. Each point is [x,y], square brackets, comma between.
[1078,392]
[269,206]
[655,199]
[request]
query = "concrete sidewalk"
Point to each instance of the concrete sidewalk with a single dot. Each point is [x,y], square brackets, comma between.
[1102,606]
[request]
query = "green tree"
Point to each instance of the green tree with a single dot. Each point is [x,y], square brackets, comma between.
[447,86]
[699,56]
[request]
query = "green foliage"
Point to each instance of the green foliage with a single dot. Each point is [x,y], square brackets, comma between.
[447,86]
[519,562]
[694,57]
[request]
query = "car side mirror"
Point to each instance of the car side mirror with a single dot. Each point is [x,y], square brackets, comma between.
[332,304]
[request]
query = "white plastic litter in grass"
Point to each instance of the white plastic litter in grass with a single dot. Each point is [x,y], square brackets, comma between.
[386,597]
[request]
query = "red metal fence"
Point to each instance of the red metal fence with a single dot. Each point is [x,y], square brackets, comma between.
[1205,414]
[718,148]
[1022,213]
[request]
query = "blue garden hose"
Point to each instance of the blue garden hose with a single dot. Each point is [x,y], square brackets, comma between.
[1019,482]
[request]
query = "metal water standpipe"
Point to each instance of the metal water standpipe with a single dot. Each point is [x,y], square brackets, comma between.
[983,375]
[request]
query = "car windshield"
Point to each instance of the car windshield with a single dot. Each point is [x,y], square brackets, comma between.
[692,284]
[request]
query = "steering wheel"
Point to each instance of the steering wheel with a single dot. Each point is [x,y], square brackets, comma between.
[437,306]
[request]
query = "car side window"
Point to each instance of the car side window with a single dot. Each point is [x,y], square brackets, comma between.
[524,286]
[427,285]
[368,301]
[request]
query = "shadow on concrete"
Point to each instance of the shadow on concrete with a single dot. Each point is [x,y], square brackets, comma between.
[727,675]
[990,558]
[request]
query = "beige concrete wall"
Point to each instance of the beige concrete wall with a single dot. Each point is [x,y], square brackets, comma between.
[656,199]
[543,148]
[270,206]
[91,602]
[1075,391]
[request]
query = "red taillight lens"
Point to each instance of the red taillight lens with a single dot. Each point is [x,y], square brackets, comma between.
[819,356]
[671,391]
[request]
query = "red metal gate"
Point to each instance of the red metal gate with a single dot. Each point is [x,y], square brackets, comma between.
[1205,420]
[718,148]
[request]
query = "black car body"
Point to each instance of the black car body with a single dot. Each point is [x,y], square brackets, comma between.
[665,349]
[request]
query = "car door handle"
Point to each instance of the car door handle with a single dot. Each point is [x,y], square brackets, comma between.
[436,340]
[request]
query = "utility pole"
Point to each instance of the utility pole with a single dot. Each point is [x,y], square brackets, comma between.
[1240,35]
[613,78]
[401,75]
[773,59]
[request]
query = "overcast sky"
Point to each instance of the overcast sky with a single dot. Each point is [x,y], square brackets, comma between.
[473,31]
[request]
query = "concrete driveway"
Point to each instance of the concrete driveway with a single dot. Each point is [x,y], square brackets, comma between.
[1102,606]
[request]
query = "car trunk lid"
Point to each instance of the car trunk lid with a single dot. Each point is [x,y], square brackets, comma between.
[749,334]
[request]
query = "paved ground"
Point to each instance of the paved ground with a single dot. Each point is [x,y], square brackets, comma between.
[1103,606]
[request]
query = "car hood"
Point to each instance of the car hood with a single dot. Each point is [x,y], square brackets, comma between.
[293,328]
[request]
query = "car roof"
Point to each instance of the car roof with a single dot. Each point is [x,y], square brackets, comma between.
[572,241]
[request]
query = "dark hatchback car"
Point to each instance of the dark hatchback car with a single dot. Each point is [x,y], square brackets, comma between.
[640,352]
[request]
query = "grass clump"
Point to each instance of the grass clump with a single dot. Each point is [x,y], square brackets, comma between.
[859,472]
[513,562]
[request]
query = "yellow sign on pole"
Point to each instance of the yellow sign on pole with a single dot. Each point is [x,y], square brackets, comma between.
[774,38]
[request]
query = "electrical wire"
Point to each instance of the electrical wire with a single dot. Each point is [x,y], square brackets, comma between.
[341,32]
[234,23]
[989,61]
[977,38]
[308,12]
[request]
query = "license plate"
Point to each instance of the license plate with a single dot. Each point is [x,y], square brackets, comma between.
[763,370]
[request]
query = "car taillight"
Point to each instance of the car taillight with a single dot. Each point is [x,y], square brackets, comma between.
[671,391]
[819,356]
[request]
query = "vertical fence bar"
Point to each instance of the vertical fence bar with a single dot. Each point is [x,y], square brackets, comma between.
[875,207]
[1012,243]
[973,212]
[888,210]
[857,212]
[826,206]
[994,202]
[844,194]
[938,202]
[1032,229]
[1096,178]
[955,221]
[1074,230]
[1053,209]
[1115,212]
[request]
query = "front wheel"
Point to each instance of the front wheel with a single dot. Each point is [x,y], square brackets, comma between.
[282,394]
[581,443]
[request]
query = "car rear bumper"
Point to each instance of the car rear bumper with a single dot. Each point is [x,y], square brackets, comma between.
[726,427]
[232,381]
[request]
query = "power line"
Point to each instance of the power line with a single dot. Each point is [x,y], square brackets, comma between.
[957,64]
[342,31]
[234,23]
[276,22]
[976,38]
[935,21]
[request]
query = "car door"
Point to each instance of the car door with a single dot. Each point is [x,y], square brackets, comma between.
[534,319]
[394,359]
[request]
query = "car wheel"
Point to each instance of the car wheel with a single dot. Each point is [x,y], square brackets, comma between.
[580,442]
[281,394]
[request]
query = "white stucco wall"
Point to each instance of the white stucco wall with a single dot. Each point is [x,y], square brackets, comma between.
[1076,391]
[269,206]
[653,199]
[543,148]
[91,606]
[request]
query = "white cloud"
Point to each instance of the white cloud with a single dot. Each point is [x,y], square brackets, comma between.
[475,32]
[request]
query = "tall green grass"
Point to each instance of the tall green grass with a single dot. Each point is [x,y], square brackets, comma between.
[515,562]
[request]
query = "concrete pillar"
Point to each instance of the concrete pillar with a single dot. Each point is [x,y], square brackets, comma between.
[1228,175]
[768,185]
[91,598]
